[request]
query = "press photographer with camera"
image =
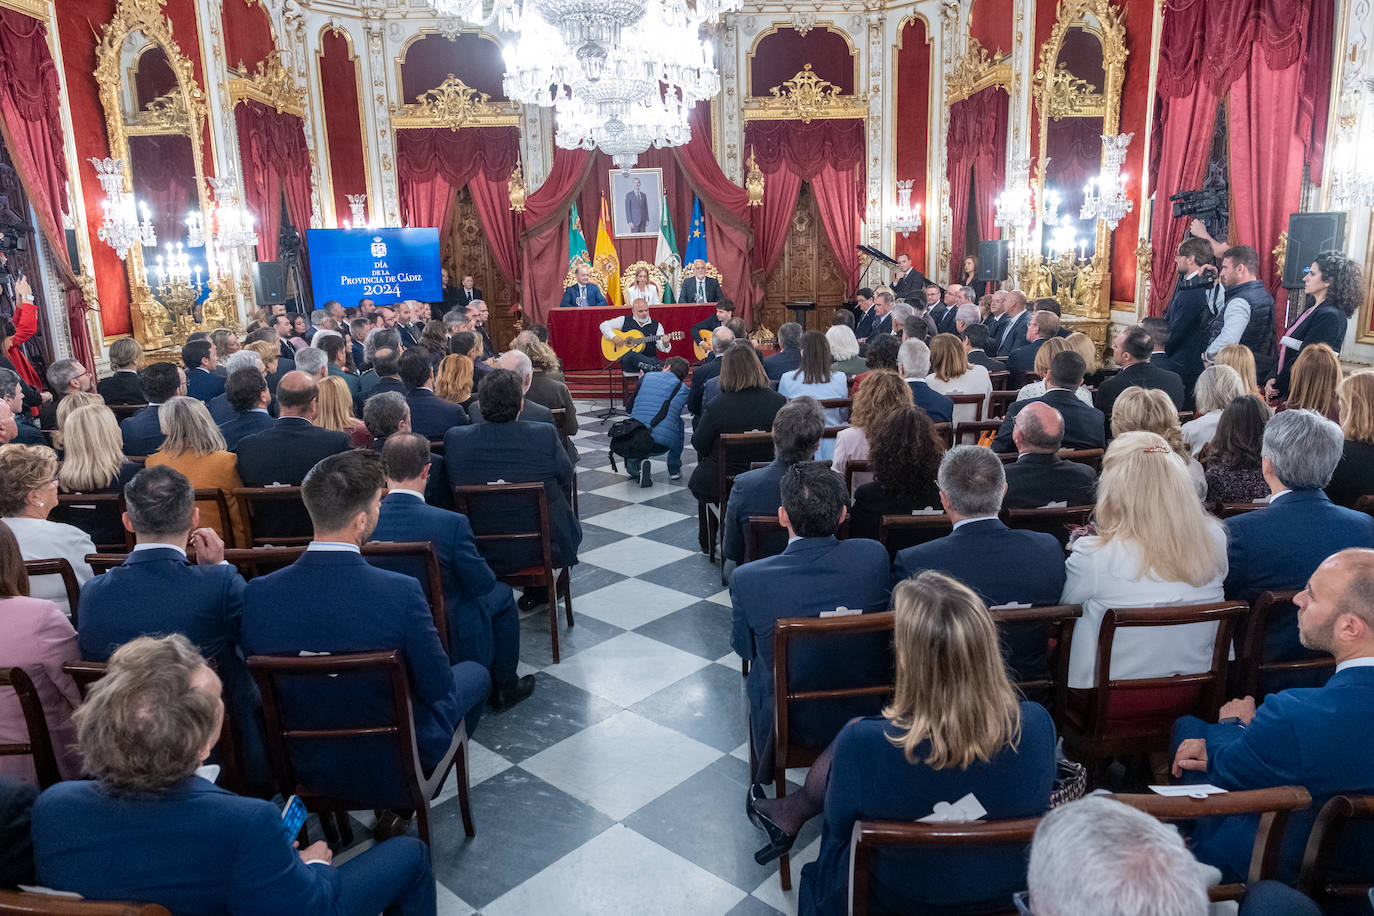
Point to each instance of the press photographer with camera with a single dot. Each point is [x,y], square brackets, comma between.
[1197,297]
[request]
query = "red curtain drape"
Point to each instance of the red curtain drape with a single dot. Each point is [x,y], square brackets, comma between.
[840,209]
[164,172]
[31,126]
[977,144]
[772,220]
[275,161]
[1074,148]
[599,183]
[491,197]
[1182,142]
[544,240]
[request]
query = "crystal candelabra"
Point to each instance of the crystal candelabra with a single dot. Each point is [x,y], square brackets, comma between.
[908,216]
[1105,198]
[121,227]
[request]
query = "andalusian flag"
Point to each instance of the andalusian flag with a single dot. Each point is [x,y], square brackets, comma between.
[605,259]
[577,242]
[665,256]
[696,240]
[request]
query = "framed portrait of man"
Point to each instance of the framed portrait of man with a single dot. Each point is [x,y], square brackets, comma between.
[636,203]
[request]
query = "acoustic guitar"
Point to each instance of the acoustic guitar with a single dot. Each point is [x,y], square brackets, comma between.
[702,346]
[632,341]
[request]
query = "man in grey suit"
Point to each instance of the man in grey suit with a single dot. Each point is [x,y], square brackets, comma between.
[637,209]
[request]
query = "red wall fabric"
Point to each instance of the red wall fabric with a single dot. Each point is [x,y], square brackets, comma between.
[978,147]
[779,56]
[990,21]
[473,59]
[1135,97]
[275,160]
[343,126]
[912,128]
[544,238]
[247,34]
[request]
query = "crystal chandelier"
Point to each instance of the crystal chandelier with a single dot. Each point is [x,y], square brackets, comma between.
[1352,174]
[908,217]
[648,122]
[1105,198]
[231,228]
[121,227]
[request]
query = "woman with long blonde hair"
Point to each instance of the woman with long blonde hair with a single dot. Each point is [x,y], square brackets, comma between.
[195,447]
[453,381]
[1239,358]
[1155,545]
[269,353]
[336,412]
[92,462]
[881,394]
[65,408]
[1151,410]
[1313,382]
[955,726]
[1354,476]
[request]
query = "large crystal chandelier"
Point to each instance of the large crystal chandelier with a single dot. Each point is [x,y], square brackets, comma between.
[1105,196]
[121,227]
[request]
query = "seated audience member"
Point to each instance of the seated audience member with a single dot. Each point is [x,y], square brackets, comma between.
[336,412]
[815,574]
[543,357]
[914,358]
[27,431]
[123,386]
[789,355]
[1083,425]
[312,362]
[520,364]
[483,624]
[905,456]
[195,447]
[926,749]
[722,338]
[336,351]
[975,339]
[1232,458]
[1049,349]
[66,377]
[220,408]
[667,387]
[1216,388]
[1313,382]
[271,361]
[917,327]
[816,378]
[386,414]
[246,393]
[952,373]
[746,403]
[93,462]
[844,317]
[884,394]
[69,405]
[1149,409]
[844,349]
[797,430]
[881,353]
[430,416]
[453,382]
[1154,546]
[1241,359]
[148,828]
[1354,475]
[1132,350]
[385,374]
[332,600]
[1084,346]
[1039,476]
[1043,326]
[1158,329]
[200,359]
[284,453]
[546,387]
[1097,855]
[1318,738]
[28,493]
[38,639]
[16,844]
[143,431]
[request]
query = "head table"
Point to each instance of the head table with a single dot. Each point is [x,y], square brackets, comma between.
[576,336]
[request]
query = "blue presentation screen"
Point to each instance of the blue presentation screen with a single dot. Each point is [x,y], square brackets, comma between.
[385,265]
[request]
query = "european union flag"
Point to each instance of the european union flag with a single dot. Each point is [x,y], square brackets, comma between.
[696,239]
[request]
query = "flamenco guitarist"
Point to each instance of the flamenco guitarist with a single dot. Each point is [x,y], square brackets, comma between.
[637,320]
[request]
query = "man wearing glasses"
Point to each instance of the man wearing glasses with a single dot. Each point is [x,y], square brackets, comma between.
[66,376]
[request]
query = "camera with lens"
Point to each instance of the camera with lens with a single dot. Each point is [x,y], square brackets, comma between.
[11,237]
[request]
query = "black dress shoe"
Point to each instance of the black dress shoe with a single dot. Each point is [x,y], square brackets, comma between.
[506,696]
[779,842]
[532,598]
[391,824]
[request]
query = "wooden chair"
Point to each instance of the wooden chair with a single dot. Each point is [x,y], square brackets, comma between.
[1318,878]
[21,903]
[1255,668]
[104,562]
[39,746]
[1056,621]
[566,442]
[859,688]
[976,400]
[436,447]
[856,466]
[1365,504]
[216,495]
[763,537]
[58,566]
[1001,400]
[1092,733]
[734,454]
[1092,457]
[898,532]
[1050,521]
[125,411]
[836,403]
[276,516]
[1001,378]
[323,674]
[84,674]
[82,509]
[1230,510]
[972,430]
[945,432]
[482,505]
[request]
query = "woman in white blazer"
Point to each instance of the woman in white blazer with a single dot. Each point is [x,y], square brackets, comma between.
[28,493]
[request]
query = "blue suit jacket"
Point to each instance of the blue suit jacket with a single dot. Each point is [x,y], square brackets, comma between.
[811,576]
[1022,359]
[142,433]
[203,385]
[238,426]
[870,779]
[195,849]
[754,493]
[867,320]
[654,389]
[431,416]
[517,452]
[781,363]
[937,406]
[1315,737]
[335,601]
[471,593]
[595,297]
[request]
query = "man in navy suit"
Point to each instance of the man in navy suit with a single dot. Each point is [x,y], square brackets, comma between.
[637,208]
[1010,333]
[385,415]
[520,364]
[797,430]
[1315,737]
[788,358]
[868,317]
[1041,327]
[1083,425]
[430,415]
[817,574]
[385,374]
[332,600]
[1003,565]
[221,411]
[1133,347]
[248,399]
[142,432]
[914,360]
[700,287]
[200,359]
[483,624]
[1279,547]
[1039,476]
[65,376]
[583,293]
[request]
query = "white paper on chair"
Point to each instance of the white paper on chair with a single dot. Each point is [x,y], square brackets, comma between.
[1061,504]
[927,511]
[842,611]
[967,808]
[1010,605]
[1198,791]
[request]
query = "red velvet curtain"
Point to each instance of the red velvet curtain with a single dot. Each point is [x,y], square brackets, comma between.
[275,161]
[544,240]
[31,126]
[1074,148]
[1182,142]
[977,146]
[491,197]
[772,220]
[840,208]
[164,171]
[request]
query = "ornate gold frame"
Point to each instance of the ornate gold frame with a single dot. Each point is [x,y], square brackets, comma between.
[270,83]
[776,27]
[975,71]
[454,104]
[1091,292]
[147,16]
[806,98]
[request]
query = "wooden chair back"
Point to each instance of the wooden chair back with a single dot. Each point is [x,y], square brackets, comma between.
[1055,622]
[1231,510]
[763,537]
[436,447]
[39,746]
[857,466]
[1092,457]
[85,510]
[58,566]
[971,430]
[217,496]
[22,903]
[898,532]
[1001,378]
[1326,874]
[836,403]
[1001,400]
[734,453]
[104,562]
[1365,504]
[125,411]
[976,400]
[276,516]
[945,433]
[1260,674]
[84,673]
[1050,521]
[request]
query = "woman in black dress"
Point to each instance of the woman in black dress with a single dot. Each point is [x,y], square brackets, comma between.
[1354,475]
[1335,288]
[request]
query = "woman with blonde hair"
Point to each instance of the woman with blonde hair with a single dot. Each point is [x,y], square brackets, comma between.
[1239,358]
[882,393]
[336,412]
[269,353]
[1216,388]
[844,350]
[93,462]
[642,288]
[68,405]
[453,381]
[1151,410]
[1155,545]
[1047,352]
[1313,382]
[1084,346]
[195,447]
[1354,476]
[952,373]
[955,727]
[28,495]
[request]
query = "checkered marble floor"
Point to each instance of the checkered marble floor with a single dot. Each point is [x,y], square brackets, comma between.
[618,787]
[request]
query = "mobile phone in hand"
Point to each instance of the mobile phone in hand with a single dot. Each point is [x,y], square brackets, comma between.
[293,817]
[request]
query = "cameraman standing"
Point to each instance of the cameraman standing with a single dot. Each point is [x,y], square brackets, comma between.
[1248,315]
[1196,298]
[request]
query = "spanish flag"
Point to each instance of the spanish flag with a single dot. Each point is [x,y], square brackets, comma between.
[606,260]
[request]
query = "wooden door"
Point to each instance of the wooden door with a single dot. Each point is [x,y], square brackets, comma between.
[807,272]
[464,250]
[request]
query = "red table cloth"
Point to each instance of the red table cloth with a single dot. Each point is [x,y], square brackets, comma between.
[576,336]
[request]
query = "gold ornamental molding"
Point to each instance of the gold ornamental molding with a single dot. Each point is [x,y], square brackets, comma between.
[1067,96]
[38,9]
[753,181]
[517,189]
[976,71]
[806,98]
[270,83]
[166,114]
[454,104]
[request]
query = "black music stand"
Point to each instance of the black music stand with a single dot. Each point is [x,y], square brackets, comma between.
[799,310]
[612,370]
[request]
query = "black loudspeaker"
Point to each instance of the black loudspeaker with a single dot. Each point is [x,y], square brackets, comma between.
[1309,234]
[992,261]
[269,282]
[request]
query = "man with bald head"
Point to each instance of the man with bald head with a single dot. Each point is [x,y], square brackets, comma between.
[1317,737]
[1010,336]
[283,453]
[1039,476]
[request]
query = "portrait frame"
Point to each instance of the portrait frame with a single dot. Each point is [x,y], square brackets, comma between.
[621,185]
